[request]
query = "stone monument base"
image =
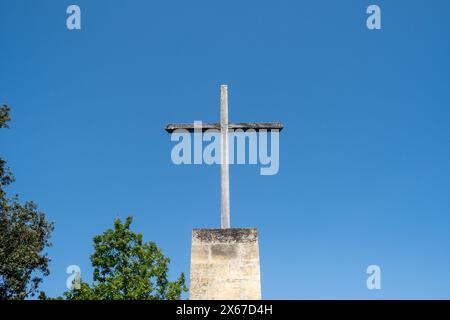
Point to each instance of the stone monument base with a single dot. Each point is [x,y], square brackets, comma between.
[225,264]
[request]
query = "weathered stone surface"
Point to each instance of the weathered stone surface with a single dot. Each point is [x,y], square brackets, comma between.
[225,264]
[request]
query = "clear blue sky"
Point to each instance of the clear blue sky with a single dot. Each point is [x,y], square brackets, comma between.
[364,158]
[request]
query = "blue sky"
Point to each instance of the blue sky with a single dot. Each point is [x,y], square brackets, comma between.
[364,157]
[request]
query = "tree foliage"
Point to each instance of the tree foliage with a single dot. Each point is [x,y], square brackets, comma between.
[126,268]
[24,235]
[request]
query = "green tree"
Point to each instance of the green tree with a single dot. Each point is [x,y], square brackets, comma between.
[24,235]
[126,268]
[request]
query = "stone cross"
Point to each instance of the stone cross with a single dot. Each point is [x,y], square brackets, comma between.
[223,127]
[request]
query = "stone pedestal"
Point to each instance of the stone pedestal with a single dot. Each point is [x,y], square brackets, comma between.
[225,264]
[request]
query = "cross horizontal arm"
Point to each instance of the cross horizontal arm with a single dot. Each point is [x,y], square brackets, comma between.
[257,126]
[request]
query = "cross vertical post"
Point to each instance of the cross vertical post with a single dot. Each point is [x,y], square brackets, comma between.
[224,163]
